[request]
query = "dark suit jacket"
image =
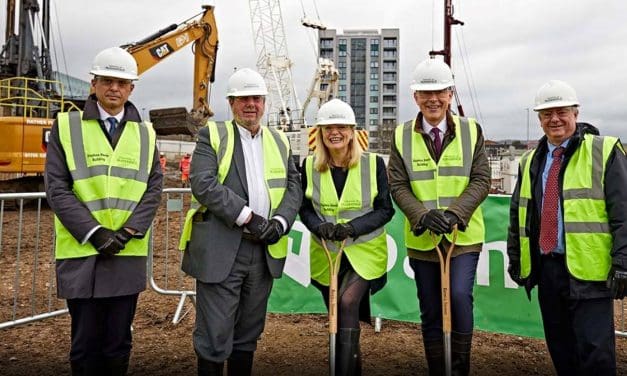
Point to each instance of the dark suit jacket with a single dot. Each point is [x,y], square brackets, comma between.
[216,237]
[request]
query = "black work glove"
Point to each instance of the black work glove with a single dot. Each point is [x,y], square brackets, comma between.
[123,235]
[617,282]
[453,220]
[105,242]
[342,231]
[514,273]
[256,225]
[435,221]
[326,230]
[272,233]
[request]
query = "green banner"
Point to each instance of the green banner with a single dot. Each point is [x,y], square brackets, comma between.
[500,305]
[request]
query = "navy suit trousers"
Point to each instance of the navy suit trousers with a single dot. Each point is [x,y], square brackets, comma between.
[427,276]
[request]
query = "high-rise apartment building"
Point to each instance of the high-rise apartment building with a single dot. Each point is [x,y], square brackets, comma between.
[368,63]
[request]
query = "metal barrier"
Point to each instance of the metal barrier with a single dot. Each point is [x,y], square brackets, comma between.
[27,275]
[27,272]
[169,224]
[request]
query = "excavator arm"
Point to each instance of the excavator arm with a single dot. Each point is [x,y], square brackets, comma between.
[152,50]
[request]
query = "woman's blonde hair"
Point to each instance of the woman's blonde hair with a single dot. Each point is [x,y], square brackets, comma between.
[322,156]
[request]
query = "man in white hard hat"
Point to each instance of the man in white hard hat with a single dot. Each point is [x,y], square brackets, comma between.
[439,175]
[248,189]
[103,182]
[568,233]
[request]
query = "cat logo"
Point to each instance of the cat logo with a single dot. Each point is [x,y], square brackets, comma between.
[161,51]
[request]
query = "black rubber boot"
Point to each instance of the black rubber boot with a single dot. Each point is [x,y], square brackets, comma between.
[461,344]
[434,352]
[348,359]
[240,363]
[117,366]
[209,368]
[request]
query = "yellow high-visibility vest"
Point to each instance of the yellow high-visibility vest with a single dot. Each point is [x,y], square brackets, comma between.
[275,161]
[367,253]
[438,185]
[587,236]
[109,182]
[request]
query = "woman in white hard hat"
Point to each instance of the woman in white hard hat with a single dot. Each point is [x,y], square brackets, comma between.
[346,198]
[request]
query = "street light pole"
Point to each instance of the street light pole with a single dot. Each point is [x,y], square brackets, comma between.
[527,127]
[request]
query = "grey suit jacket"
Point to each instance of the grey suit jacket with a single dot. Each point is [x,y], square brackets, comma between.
[216,238]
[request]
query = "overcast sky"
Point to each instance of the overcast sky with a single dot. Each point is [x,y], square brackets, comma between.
[511,47]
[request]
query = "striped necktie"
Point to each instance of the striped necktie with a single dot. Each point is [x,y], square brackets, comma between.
[113,122]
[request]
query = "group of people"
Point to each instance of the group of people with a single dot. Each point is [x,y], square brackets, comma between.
[103,181]
[184,166]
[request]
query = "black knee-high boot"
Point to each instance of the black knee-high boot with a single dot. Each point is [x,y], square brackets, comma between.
[240,363]
[348,359]
[461,344]
[434,352]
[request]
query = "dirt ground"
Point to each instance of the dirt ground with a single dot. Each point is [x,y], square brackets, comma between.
[291,344]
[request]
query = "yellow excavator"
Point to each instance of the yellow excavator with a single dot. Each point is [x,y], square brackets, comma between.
[31,94]
[153,49]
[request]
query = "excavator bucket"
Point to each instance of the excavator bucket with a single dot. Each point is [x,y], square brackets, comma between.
[174,121]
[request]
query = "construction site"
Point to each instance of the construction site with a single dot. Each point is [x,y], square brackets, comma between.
[183,67]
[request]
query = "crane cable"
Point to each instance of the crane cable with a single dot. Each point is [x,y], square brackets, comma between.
[467,66]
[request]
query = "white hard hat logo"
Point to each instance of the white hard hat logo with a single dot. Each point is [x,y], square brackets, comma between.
[428,81]
[553,99]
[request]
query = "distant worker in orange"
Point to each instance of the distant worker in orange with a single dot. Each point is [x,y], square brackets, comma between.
[184,168]
[162,161]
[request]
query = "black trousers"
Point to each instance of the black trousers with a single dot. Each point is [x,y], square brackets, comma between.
[428,283]
[579,332]
[101,327]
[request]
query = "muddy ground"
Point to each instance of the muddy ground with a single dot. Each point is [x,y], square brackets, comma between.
[291,344]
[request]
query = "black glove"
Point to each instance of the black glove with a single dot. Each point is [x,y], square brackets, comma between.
[341,231]
[453,220]
[123,235]
[272,233]
[514,273]
[326,230]
[617,282]
[105,242]
[436,221]
[256,225]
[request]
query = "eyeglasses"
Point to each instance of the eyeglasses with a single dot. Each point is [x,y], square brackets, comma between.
[442,94]
[109,81]
[560,112]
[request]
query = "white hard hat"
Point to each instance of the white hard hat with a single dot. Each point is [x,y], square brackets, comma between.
[335,112]
[555,93]
[431,75]
[115,62]
[245,82]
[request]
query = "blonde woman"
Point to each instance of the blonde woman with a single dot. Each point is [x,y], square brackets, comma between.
[346,197]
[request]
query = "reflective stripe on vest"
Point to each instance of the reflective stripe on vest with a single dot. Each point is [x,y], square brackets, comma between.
[368,253]
[109,182]
[275,158]
[587,236]
[438,185]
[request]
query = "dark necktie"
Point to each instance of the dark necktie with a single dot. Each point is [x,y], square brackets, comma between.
[548,222]
[113,122]
[437,141]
